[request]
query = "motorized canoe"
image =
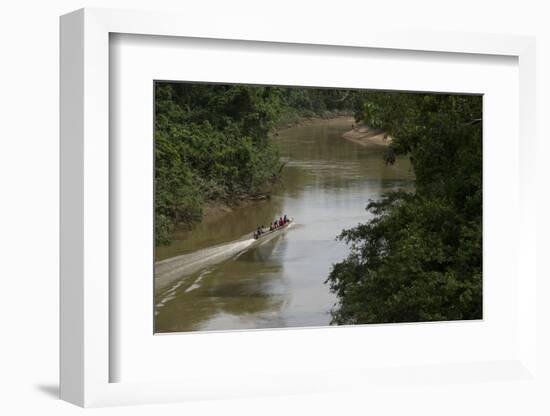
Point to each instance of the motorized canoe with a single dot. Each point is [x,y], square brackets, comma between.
[266,233]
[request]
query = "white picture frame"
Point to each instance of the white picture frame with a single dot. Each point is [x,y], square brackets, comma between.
[86,353]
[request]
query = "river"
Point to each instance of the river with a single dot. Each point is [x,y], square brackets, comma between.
[224,284]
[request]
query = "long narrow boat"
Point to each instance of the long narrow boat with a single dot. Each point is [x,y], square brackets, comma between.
[267,234]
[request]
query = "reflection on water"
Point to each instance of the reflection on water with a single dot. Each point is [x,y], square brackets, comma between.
[326,184]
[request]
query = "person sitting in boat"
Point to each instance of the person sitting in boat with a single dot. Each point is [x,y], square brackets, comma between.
[285,219]
[258,232]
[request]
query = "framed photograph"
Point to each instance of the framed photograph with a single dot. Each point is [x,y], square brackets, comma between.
[231,160]
[264,213]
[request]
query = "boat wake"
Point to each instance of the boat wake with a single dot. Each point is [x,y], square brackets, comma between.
[170,273]
[169,270]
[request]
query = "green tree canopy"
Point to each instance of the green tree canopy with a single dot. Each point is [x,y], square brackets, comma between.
[420,257]
[212,142]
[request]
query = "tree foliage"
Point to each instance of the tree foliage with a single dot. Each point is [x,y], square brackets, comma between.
[211,142]
[420,257]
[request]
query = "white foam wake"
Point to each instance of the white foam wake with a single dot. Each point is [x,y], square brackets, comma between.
[167,271]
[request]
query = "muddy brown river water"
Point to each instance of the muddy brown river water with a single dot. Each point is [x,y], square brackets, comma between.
[221,280]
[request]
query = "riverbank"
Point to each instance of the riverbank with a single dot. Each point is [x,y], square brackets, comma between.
[366,136]
[217,217]
[295,120]
[214,210]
